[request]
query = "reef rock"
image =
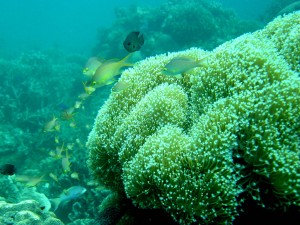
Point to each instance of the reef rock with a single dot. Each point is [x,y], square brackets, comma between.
[25,213]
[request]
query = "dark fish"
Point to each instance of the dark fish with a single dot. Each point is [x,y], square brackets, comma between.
[7,169]
[133,41]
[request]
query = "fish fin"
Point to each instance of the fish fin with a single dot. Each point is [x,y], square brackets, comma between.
[111,81]
[55,202]
[141,39]
[136,33]
[126,60]
[202,62]
[178,75]
[108,61]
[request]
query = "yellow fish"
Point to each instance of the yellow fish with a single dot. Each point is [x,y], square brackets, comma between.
[66,164]
[54,177]
[120,86]
[30,181]
[91,66]
[58,152]
[77,104]
[75,175]
[182,64]
[88,89]
[51,125]
[83,96]
[106,72]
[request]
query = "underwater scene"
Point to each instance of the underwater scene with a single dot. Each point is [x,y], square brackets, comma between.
[150,112]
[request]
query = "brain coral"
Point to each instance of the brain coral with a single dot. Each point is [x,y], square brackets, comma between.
[198,145]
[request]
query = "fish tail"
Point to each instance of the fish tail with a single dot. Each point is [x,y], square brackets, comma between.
[203,61]
[55,202]
[126,60]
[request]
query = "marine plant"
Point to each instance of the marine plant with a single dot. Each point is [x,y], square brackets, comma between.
[200,145]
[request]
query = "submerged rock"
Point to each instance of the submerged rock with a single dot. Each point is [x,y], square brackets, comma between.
[26,212]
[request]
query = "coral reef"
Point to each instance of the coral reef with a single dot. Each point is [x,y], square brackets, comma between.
[24,213]
[34,76]
[201,145]
[36,86]
[9,192]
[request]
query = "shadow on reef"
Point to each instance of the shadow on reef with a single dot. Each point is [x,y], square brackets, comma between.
[129,214]
[254,214]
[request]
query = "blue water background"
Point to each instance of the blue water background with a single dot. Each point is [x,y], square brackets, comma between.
[72,25]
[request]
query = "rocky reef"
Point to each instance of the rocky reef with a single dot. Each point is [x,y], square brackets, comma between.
[26,212]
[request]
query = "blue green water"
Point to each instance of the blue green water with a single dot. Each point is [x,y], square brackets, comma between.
[72,26]
[36,24]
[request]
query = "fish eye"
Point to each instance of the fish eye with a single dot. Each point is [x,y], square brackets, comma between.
[128,43]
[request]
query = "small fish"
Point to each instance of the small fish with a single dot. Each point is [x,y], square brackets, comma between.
[68,114]
[7,169]
[120,86]
[134,41]
[182,64]
[51,125]
[73,124]
[56,139]
[77,104]
[29,180]
[70,146]
[65,163]
[105,74]
[88,89]
[91,66]
[54,177]
[67,195]
[75,175]
[57,154]
[83,96]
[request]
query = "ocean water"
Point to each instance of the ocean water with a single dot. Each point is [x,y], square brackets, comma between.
[36,24]
[72,26]
[49,97]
